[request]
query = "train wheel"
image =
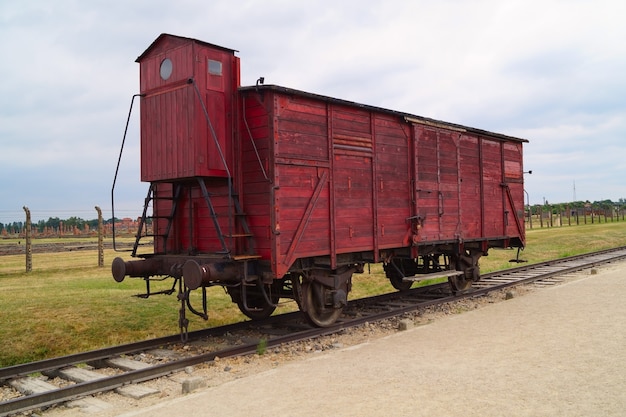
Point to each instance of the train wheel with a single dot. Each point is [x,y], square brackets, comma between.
[468,263]
[396,278]
[399,284]
[318,312]
[256,305]
[459,283]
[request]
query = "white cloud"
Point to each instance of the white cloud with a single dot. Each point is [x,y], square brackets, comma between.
[550,71]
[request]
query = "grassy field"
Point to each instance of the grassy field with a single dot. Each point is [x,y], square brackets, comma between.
[68,304]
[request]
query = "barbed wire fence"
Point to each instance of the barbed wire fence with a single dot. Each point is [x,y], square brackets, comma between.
[77,228]
[536,217]
[558,216]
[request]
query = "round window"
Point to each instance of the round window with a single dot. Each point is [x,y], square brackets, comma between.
[166,68]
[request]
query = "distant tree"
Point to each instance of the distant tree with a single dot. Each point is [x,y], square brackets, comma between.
[75,222]
[53,223]
[16,227]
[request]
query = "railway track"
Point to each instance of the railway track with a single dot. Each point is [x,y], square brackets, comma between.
[118,369]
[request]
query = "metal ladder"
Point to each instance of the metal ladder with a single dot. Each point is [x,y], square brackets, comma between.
[144,216]
[240,222]
[240,219]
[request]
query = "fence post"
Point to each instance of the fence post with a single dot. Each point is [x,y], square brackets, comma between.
[551,217]
[569,216]
[29,249]
[100,239]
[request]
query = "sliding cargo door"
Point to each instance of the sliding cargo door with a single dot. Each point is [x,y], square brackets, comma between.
[471,190]
[449,185]
[437,183]
[352,162]
[493,194]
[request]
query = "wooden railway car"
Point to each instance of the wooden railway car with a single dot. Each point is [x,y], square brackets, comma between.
[277,193]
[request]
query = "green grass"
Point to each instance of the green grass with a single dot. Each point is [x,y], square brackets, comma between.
[68,304]
[559,242]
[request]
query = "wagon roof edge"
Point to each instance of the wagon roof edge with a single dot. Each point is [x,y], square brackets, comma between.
[165,35]
[409,118]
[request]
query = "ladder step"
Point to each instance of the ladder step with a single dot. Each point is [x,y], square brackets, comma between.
[240,235]
[245,257]
[434,275]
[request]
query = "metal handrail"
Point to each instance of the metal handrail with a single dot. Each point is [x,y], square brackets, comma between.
[117,168]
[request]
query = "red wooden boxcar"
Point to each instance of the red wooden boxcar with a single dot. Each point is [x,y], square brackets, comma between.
[273,192]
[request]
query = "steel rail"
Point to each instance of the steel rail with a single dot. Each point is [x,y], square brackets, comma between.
[95,355]
[514,276]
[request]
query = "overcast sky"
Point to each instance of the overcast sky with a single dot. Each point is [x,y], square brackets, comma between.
[553,72]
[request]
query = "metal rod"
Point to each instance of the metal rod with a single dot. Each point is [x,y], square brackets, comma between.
[117,168]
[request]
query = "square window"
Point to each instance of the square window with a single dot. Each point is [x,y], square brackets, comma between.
[215,67]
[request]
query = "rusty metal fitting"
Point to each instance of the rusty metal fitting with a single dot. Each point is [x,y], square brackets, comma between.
[196,275]
[144,268]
